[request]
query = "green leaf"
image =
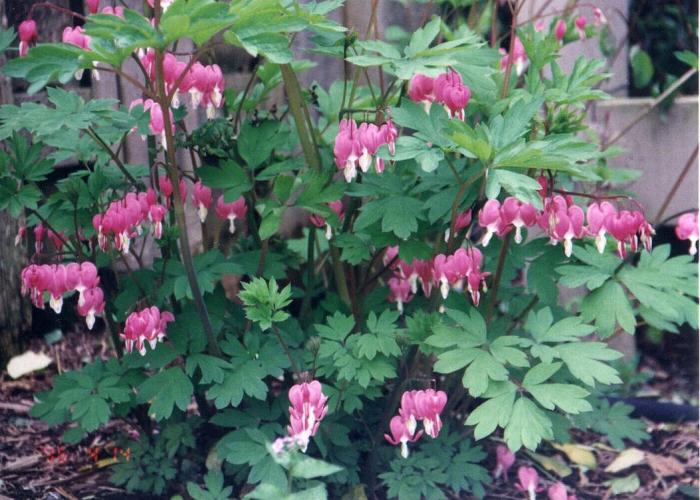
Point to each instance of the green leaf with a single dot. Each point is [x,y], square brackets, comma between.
[527,426]
[584,361]
[91,412]
[567,397]
[687,56]
[7,36]
[46,63]
[642,67]
[264,301]
[310,468]
[211,367]
[255,143]
[521,186]
[493,413]
[423,37]
[608,305]
[165,390]
[540,373]
[230,177]
[614,422]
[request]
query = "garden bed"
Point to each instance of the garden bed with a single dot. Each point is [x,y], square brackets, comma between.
[30,469]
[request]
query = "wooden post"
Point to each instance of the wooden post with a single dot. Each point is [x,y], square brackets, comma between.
[15,311]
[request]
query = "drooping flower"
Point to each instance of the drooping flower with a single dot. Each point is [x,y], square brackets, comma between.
[580,23]
[557,491]
[388,130]
[529,481]
[519,57]
[28,35]
[319,221]
[113,11]
[599,18]
[306,412]
[420,90]
[231,211]
[145,326]
[75,36]
[562,221]
[598,216]
[519,215]
[452,93]
[370,138]
[202,199]
[156,215]
[491,220]
[687,229]
[21,232]
[504,461]
[560,30]
[401,435]
[157,121]
[399,292]
[92,6]
[347,149]
[461,221]
[428,405]
[92,304]
[81,277]
[39,232]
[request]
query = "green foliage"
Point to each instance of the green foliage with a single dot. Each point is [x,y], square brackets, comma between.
[614,422]
[445,463]
[264,302]
[275,305]
[215,490]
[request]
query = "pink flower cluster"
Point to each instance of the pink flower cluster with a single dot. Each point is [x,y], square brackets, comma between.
[231,211]
[93,7]
[309,406]
[687,229]
[444,271]
[60,279]
[319,221]
[519,57]
[147,325]
[500,219]
[446,89]
[563,221]
[424,406]
[39,233]
[205,84]
[124,218]
[356,146]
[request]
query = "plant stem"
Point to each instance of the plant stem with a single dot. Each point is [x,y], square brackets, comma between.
[93,135]
[677,184]
[284,345]
[306,303]
[296,105]
[653,105]
[179,209]
[497,279]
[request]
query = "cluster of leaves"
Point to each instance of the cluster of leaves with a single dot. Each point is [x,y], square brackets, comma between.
[307,306]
